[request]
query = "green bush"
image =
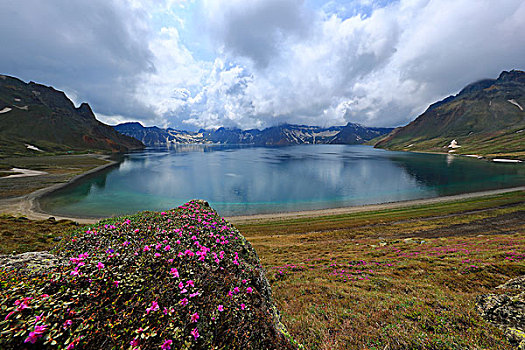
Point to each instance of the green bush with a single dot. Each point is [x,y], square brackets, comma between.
[182,279]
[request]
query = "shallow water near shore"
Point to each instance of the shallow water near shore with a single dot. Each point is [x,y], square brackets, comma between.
[258,180]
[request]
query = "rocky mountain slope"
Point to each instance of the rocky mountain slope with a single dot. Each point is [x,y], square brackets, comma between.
[486,118]
[286,134]
[35,118]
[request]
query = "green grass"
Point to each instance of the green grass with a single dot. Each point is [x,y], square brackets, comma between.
[20,235]
[507,144]
[423,300]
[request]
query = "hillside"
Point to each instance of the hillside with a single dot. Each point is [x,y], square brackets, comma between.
[35,117]
[181,279]
[282,135]
[485,118]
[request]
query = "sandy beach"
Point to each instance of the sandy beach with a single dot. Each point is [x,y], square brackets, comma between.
[372,207]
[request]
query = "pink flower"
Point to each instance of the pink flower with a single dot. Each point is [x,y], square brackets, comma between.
[166,345]
[249,290]
[243,306]
[38,318]
[157,255]
[184,301]
[236,290]
[71,346]
[195,333]
[134,342]
[166,248]
[195,317]
[174,272]
[190,283]
[146,248]
[22,306]
[67,323]
[116,283]
[154,307]
[100,265]
[220,308]
[34,335]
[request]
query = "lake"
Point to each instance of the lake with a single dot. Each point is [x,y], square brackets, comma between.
[255,180]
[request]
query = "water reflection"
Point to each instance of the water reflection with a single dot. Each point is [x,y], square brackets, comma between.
[244,180]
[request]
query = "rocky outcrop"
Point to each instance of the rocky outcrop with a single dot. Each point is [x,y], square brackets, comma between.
[506,311]
[180,279]
[32,262]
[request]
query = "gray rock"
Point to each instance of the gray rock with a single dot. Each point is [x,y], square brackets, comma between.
[32,262]
[506,311]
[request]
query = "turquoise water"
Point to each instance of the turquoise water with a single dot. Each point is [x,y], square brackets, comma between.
[254,180]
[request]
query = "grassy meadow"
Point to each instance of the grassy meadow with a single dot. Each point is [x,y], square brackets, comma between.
[394,279]
[390,279]
[59,169]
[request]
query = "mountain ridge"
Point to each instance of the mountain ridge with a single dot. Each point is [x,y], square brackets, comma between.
[36,117]
[281,135]
[486,118]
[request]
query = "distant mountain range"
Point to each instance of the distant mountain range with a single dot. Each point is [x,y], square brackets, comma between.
[485,118]
[35,118]
[282,135]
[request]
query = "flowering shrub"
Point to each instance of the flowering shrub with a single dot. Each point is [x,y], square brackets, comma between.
[182,279]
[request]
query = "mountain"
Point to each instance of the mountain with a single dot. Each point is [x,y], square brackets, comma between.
[485,118]
[35,117]
[355,134]
[282,135]
[154,136]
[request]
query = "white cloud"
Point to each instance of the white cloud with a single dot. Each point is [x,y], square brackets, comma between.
[379,69]
[257,63]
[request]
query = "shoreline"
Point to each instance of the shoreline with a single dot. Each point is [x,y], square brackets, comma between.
[29,206]
[256,218]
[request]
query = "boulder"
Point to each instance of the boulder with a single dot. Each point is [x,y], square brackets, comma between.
[506,311]
[180,279]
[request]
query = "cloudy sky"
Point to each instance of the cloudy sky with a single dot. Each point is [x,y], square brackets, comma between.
[255,63]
